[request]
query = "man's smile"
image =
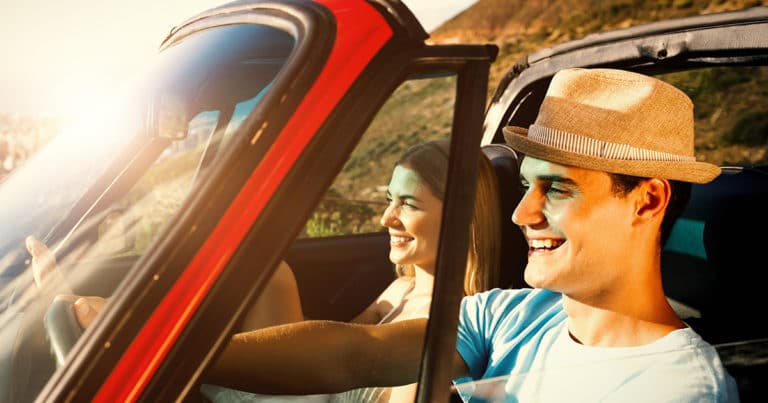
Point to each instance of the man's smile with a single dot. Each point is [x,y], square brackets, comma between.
[543,245]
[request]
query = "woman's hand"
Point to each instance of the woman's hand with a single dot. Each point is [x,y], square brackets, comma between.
[43,261]
[86,309]
[44,269]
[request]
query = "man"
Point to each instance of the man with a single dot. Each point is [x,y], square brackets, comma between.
[606,168]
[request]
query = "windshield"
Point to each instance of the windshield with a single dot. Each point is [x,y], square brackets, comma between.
[100,192]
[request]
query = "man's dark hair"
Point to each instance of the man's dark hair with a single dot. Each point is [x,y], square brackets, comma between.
[681,194]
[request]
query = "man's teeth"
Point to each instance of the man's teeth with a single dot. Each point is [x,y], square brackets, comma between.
[545,243]
[400,238]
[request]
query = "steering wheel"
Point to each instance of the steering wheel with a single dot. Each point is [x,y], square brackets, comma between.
[62,328]
[38,347]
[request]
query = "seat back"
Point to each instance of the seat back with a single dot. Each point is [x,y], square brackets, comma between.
[514,249]
[712,260]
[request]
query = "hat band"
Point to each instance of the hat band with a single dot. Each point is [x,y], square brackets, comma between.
[597,148]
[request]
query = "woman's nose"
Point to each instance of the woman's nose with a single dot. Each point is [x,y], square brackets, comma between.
[389,218]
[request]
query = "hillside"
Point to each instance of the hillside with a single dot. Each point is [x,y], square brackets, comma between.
[522,26]
[504,21]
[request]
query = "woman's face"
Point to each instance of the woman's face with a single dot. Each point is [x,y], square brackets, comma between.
[413,219]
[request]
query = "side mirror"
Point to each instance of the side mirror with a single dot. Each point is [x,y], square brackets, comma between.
[168,118]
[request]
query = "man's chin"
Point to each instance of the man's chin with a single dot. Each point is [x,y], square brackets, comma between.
[537,276]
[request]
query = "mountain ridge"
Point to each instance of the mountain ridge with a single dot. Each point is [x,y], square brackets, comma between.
[502,21]
[519,27]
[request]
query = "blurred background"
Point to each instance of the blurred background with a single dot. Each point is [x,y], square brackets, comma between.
[64,59]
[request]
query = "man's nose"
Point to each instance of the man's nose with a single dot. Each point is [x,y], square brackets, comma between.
[529,210]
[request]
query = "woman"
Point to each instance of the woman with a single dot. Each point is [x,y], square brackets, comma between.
[415,196]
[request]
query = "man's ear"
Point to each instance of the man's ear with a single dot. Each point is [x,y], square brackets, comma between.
[653,197]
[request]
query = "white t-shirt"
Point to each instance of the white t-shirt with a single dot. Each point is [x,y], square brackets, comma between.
[517,341]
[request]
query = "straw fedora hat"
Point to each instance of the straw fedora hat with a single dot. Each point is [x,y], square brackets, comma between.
[615,121]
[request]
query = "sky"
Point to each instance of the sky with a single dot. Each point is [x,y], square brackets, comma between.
[60,57]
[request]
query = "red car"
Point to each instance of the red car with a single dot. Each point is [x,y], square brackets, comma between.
[266,131]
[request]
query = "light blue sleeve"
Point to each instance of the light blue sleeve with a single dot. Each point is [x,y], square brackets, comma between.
[483,316]
[732,390]
[471,341]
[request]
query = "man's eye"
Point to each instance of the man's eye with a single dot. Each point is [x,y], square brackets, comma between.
[552,190]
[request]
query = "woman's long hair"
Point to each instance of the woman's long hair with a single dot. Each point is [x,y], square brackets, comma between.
[430,161]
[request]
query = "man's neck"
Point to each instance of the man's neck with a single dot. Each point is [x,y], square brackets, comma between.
[631,313]
[593,326]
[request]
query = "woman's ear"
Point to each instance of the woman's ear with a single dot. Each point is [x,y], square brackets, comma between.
[653,197]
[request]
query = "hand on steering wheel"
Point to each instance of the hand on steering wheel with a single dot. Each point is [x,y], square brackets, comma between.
[44,269]
[69,314]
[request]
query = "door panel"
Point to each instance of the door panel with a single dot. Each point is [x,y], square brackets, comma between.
[339,276]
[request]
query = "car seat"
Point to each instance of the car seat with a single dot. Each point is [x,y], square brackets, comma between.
[514,248]
[712,258]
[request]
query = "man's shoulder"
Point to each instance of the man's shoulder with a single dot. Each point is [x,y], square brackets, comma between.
[506,306]
[704,358]
[517,296]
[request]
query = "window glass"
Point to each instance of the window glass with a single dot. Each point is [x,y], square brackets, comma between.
[130,226]
[421,109]
[99,195]
[192,123]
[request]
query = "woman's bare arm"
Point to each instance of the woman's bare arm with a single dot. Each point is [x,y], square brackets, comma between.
[321,357]
[278,304]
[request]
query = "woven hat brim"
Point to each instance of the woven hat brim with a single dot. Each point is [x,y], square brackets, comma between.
[693,171]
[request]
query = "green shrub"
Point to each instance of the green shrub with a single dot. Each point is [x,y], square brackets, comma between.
[337,216]
[750,130]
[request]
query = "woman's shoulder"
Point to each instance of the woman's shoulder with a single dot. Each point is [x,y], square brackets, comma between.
[397,289]
[388,300]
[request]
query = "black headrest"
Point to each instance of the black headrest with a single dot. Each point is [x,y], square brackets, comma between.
[514,249]
[734,242]
[739,210]
[712,260]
